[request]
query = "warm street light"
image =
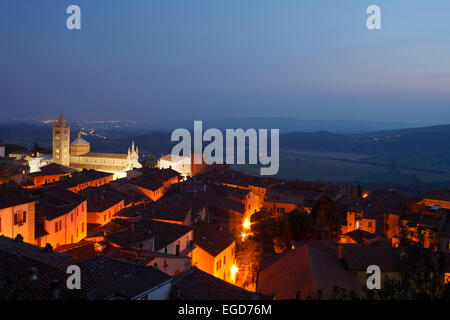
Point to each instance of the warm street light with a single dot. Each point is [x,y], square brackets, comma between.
[246,224]
[234,269]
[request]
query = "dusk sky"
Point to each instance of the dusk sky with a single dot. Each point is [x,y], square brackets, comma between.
[153,60]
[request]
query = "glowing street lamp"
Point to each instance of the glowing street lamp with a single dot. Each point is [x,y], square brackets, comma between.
[234,269]
[246,224]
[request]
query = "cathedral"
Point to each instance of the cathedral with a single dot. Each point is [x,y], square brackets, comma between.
[78,154]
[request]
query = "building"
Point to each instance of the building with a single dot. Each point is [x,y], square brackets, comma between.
[214,251]
[157,236]
[61,217]
[40,274]
[357,258]
[439,198]
[102,205]
[79,181]
[178,163]
[196,284]
[47,174]
[2,151]
[17,214]
[183,164]
[311,270]
[78,154]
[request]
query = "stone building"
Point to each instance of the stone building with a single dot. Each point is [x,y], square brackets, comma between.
[78,154]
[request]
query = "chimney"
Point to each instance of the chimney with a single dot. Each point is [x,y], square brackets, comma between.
[33,273]
[18,238]
[340,252]
[55,289]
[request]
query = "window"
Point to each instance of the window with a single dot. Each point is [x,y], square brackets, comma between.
[233,252]
[20,218]
[370,224]
[56,227]
[71,217]
[82,227]
[224,259]
[218,264]
[0,224]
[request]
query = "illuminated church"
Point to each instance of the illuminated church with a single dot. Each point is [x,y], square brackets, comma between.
[78,154]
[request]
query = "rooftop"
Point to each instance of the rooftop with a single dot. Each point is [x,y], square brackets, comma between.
[195,284]
[13,196]
[211,238]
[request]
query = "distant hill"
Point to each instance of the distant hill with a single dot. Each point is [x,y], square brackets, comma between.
[286,125]
[393,142]
[25,134]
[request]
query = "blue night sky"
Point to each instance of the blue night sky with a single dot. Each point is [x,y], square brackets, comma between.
[156,60]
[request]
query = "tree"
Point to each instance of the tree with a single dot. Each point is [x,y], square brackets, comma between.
[422,272]
[248,257]
[36,147]
[150,162]
[325,214]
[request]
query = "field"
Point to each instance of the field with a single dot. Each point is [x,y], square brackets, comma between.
[346,167]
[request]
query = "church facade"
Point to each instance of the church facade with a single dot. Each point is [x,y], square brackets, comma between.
[78,154]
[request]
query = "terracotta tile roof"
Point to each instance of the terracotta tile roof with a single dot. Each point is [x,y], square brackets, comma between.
[132,285]
[146,183]
[211,238]
[159,175]
[132,212]
[359,257]
[303,271]
[103,276]
[80,251]
[82,177]
[170,207]
[165,233]
[53,258]
[195,284]
[13,196]
[54,201]
[144,229]
[100,199]
[52,169]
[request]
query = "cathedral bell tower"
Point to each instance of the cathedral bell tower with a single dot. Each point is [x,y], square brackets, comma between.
[61,142]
